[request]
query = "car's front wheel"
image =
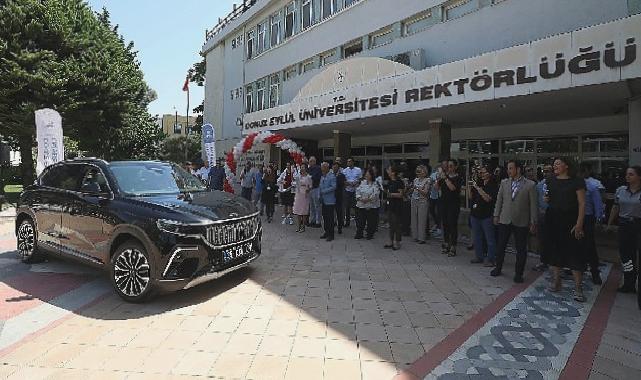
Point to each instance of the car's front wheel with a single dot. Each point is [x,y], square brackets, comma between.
[131,272]
[27,243]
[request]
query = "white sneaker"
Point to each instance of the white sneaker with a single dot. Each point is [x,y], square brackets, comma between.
[290,221]
[284,221]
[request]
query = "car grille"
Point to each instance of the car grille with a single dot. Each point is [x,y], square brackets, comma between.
[221,235]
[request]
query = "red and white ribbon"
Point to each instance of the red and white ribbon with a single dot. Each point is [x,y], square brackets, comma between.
[248,142]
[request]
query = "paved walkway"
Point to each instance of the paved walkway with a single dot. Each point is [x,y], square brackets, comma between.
[311,309]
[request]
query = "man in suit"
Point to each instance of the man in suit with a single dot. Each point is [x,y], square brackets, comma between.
[515,214]
[328,200]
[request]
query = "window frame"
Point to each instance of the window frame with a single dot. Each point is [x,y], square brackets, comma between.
[309,63]
[275,20]
[251,35]
[325,55]
[274,85]
[289,73]
[454,5]
[306,17]
[352,44]
[333,8]
[414,20]
[180,128]
[249,98]
[260,95]
[261,45]
[379,34]
[290,9]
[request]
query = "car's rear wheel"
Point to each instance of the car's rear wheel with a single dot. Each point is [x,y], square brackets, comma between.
[27,243]
[131,272]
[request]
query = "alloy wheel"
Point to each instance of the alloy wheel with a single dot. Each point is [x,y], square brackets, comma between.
[131,272]
[26,240]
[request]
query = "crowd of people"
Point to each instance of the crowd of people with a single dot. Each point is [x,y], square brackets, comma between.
[560,204]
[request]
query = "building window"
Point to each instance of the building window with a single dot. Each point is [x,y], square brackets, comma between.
[417,24]
[178,129]
[306,17]
[250,44]
[353,48]
[260,95]
[290,73]
[349,2]
[274,91]
[381,38]
[261,38]
[249,103]
[329,7]
[601,144]
[290,18]
[458,8]
[306,66]
[518,146]
[328,57]
[275,31]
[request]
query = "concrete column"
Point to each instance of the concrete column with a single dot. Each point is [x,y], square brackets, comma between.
[440,139]
[342,145]
[634,128]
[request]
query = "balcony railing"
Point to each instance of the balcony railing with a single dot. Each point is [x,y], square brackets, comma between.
[237,11]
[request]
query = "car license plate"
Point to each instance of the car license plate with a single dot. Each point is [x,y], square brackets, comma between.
[236,252]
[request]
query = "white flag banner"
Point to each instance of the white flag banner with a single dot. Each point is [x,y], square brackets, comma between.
[49,136]
[209,143]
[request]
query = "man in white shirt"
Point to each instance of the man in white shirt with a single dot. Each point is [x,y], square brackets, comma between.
[353,176]
[203,172]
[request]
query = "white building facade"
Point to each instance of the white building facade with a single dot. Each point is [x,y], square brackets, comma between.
[421,80]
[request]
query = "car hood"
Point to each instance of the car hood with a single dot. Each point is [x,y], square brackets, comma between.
[205,206]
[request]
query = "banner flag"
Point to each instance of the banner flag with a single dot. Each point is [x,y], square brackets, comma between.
[209,143]
[49,137]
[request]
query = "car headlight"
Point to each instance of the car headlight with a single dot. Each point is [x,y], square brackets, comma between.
[178,228]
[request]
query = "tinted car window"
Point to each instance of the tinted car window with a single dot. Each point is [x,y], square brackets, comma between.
[151,178]
[65,177]
[93,181]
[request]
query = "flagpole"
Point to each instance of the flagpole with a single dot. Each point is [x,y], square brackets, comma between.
[187,122]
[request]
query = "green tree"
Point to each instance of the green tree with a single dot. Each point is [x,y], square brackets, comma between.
[60,54]
[180,149]
[197,76]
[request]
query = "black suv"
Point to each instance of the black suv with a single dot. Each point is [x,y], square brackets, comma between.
[151,224]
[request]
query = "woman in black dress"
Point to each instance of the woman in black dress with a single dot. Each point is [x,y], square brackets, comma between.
[394,192]
[450,184]
[269,192]
[565,194]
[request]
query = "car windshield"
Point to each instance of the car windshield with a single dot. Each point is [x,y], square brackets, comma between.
[154,178]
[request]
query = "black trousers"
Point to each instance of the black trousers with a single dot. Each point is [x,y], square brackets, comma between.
[395,228]
[449,215]
[269,205]
[590,243]
[366,219]
[328,220]
[434,212]
[349,200]
[338,209]
[520,240]
[630,245]
[406,218]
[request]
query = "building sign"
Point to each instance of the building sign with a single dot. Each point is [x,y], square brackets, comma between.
[600,54]
[49,137]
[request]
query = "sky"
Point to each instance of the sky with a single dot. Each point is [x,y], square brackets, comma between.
[168,35]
